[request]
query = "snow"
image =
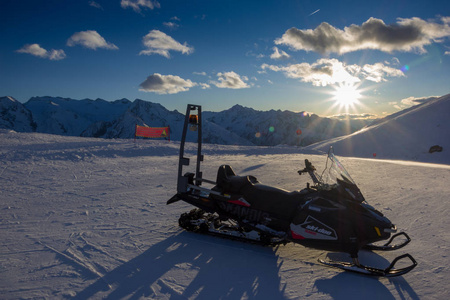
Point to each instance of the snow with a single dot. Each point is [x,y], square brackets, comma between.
[87,218]
[406,135]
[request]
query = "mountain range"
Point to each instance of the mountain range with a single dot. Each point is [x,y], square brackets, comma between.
[117,119]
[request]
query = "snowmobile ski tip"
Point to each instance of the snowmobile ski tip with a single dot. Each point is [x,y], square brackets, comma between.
[357,267]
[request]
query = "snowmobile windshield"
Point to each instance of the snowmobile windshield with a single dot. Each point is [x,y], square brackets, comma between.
[335,176]
[335,172]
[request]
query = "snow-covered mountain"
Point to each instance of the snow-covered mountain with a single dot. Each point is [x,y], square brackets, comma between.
[117,119]
[275,127]
[14,115]
[65,116]
[150,114]
[406,135]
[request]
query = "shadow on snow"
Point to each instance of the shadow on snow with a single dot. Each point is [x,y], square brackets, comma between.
[207,271]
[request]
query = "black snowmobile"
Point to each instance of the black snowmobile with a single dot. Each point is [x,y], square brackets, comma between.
[331,214]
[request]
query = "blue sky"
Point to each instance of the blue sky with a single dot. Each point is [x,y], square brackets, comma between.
[326,57]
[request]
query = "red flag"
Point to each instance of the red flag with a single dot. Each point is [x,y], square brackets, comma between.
[152,132]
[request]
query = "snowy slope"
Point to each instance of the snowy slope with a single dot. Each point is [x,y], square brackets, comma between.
[86,218]
[408,135]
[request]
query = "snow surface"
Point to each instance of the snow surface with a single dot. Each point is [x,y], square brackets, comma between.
[87,218]
[406,135]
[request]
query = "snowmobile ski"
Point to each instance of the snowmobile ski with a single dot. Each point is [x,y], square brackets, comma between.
[388,246]
[331,214]
[357,267]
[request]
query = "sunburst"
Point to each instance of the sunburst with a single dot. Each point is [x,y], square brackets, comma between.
[346,95]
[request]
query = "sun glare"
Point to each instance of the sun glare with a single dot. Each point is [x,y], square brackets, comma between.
[346,95]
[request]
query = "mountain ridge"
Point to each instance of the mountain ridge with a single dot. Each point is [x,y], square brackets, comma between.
[238,125]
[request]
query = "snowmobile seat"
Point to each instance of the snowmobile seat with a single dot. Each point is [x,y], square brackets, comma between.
[263,197]
[278,201]
[229,182]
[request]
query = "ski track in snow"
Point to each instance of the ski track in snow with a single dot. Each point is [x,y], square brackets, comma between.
[87,218]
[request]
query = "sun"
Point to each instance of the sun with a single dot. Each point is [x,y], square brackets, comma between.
[346,95]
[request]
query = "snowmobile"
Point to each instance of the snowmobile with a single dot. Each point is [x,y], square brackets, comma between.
[331,214]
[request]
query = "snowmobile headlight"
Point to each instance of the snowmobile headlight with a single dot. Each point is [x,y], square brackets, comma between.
[393,229]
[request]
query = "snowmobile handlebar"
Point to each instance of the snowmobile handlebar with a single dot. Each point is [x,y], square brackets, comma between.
[311,170]
[308,168]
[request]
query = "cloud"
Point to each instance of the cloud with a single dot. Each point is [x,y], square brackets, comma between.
[279,54]
[378,72]
[171,25]
[95,4]
[325,72]
[406,35]
[313,13]
[157,42]
[204,86]
[37,50]
[166,84]
[90,39]
[137,5]
[363,116]
[231,80]
[411,101]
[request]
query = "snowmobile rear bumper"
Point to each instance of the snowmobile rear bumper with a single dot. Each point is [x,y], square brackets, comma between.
[174,199]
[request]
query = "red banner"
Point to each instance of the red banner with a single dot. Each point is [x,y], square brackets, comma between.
[152,132]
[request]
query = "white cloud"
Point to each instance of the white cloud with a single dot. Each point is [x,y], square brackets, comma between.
[406,35]
[95,4]
[279,54]
[166,84]
[157,42]
[410,101]
[138,5]
[56,54]
[204,86]
[395,61]
[378,72]
[37,50]
[230,80]
[90,39]
[347,116]
[171,25]
[325,72]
